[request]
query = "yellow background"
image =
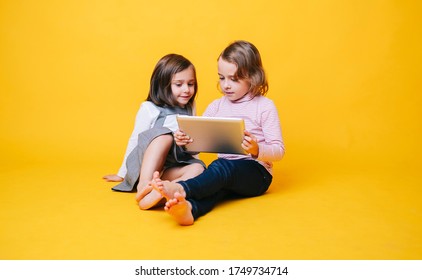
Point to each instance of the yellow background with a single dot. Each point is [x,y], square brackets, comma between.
[345,76]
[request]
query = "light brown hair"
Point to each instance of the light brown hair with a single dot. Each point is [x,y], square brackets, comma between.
[249,65]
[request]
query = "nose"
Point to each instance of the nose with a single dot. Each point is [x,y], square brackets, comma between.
[185,88]
[226,84]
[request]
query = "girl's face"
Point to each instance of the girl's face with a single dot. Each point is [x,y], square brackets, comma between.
[183,86]
[231,86]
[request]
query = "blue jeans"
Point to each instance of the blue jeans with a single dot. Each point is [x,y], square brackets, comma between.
[222,178]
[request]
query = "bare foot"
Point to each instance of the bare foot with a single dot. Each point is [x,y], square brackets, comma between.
[180,209]
[150,200]
[166,188]
[148,197]
[142,192]
[112,178]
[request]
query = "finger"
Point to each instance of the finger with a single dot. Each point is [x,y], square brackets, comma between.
[246,143]
[246,148]
[250,136]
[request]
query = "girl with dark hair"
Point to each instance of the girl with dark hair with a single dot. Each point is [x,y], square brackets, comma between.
[151,147]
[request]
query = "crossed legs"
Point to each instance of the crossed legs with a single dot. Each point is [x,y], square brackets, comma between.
[154,159]
[195,197]
[177,205]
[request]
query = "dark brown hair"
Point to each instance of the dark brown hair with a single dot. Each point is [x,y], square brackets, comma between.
[249,65]
[160,85]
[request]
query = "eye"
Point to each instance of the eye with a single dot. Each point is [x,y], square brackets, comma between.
[191,84]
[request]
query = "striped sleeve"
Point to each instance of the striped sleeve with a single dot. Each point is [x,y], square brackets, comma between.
[271,148]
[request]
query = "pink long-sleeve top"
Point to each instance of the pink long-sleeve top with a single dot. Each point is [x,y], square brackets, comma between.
[261,119]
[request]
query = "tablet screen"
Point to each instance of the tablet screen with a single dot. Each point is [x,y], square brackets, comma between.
[213,134]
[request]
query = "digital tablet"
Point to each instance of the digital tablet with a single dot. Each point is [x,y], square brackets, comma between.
[212,134]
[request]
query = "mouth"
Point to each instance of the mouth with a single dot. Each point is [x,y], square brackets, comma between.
[184,99]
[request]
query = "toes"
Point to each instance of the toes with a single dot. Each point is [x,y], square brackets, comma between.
[179,195]
[156,175]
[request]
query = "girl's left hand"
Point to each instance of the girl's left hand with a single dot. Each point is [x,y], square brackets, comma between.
[250,144]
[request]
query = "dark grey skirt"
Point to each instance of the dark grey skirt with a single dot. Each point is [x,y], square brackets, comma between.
[176,157]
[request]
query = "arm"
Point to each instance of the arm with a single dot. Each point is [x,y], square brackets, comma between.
[145,118]
[272,147]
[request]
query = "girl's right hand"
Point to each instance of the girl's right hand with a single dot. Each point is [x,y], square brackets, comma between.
[181,138]
[112,178]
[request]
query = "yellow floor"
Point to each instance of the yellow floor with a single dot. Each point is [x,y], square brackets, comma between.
[59,211]
[345,76]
